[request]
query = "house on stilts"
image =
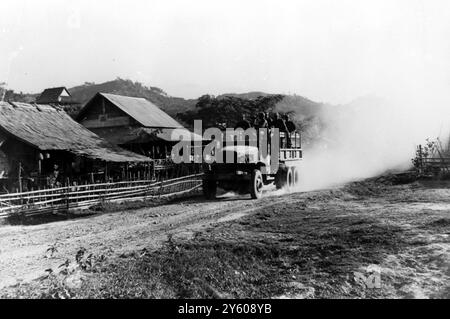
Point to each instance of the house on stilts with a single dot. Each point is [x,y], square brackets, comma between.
[42,146]
[135,124]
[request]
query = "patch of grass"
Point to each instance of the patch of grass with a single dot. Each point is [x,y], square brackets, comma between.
[107,206]
[22,219]
[439,223]
[261,256]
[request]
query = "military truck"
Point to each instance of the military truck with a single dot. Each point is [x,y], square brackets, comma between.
[249,171]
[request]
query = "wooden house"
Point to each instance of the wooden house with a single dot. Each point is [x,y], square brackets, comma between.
[58,95]
[133,123]
[38,141]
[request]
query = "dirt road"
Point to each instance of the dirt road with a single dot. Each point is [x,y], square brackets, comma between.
[322,236]
[23,249]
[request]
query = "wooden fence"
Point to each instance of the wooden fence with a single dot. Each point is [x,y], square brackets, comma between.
[436,161]
[434,166]
[433,159]
[64,199]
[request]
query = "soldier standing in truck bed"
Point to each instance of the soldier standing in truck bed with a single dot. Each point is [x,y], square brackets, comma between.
[268,119]
[291,128]
[243,123]
[260,121]
[279,123]
[289,124]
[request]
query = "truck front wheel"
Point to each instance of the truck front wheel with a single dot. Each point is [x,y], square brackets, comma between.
[256,184]
[209,188]
[290,180]
[281,178]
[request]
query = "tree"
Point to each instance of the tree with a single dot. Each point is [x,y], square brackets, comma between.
[2,90]
[226,111]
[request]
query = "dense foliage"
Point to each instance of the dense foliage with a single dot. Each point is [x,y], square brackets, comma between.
[226,111]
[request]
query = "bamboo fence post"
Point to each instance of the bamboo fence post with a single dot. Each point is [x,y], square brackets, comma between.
[160,187]
[20,177]
[67,194]
[106,191]
[421,160]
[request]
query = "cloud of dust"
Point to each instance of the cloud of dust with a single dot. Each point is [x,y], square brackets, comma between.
[370,136]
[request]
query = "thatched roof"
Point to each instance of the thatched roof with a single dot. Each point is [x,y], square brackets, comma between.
[140,109]
[48,129]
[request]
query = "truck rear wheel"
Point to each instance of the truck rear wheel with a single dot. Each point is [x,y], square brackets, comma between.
[290,179]
[296,175]
[281,178]
[256,184]
[209,188]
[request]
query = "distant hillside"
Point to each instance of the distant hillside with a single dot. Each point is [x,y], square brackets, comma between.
[171,105]
[82,94]
[177,107]
[11,95]
[301,106]
[246,96]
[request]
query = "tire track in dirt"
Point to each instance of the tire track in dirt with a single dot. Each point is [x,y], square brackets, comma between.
[23,248]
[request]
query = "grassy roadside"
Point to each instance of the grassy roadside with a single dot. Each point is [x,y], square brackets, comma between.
[296,250]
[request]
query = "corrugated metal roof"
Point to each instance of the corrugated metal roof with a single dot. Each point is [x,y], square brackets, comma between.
[143,111]
[46,128]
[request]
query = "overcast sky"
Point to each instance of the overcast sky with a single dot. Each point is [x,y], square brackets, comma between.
[330,51]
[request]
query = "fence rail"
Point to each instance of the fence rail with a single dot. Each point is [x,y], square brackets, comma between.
[82,196]
[437,161]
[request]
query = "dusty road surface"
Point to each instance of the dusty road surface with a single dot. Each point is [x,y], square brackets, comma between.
[27,251]
[364,240]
